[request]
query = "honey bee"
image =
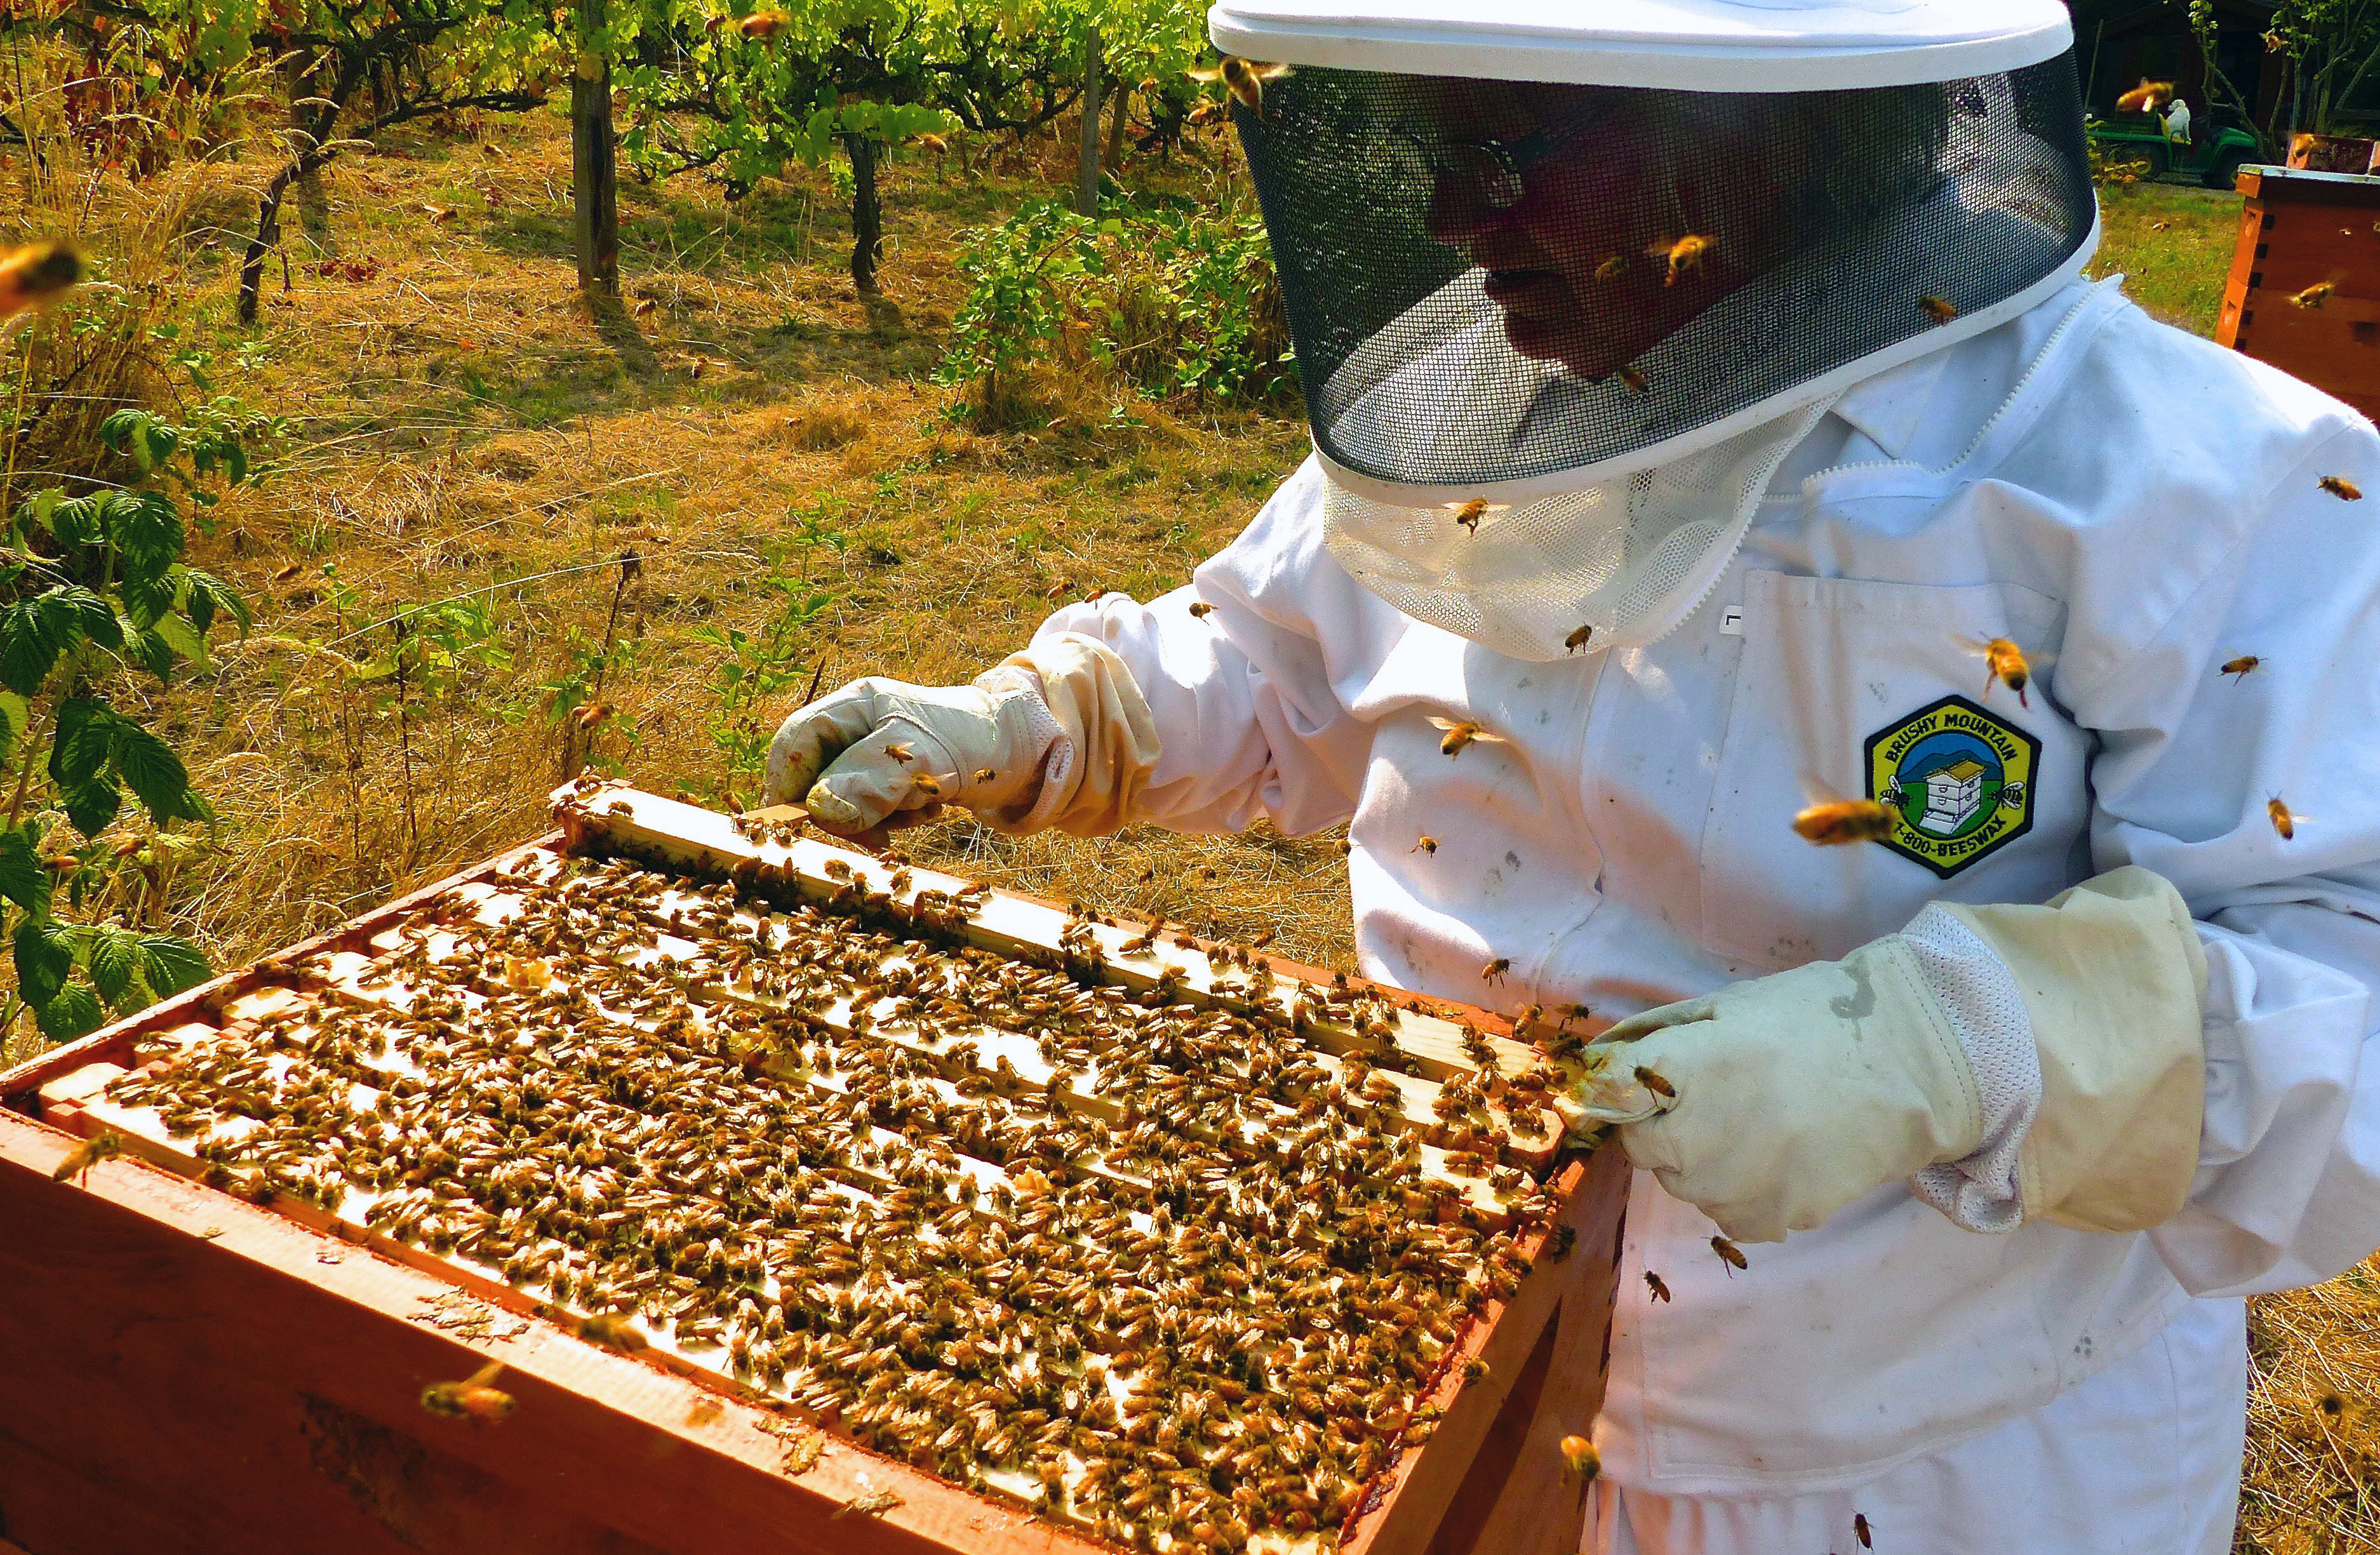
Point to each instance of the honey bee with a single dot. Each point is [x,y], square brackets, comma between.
[586,715]
[926,783]
[2342,488]
[899,750]
[89,1153]
[694,370]
[2003,661]
[474,1398]
[2145,98]
[1941,309]
[1728,1253]
[2283,821]
[1494,971]
[1261,940]
[1246,77]
[869,1503]
[1631,377]
[1468,513]
[1860,1530]
[1427,844]
[439,214]
[1577,639]
[1580,1461]
[1200,610]
[527,973]
[986,774]
[35,273]
[612,1331]
[1609,269]
[2243,666]
[2313,295]
[1683,253]
[1460,734]
[763,24]
[1834,822]
[1658,1286]
[1653,1082]
[286,573]
[934,143]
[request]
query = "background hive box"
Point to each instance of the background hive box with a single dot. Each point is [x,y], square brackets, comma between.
[2299,229]
[210,1374]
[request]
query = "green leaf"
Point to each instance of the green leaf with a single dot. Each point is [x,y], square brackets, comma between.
[73,1012]
[85,741]
[151,652]
[92,806]
[154,772]
[30,646]
[171,965]
[93,617]
[181,637]
[45,956]
[115,965]
[22,878]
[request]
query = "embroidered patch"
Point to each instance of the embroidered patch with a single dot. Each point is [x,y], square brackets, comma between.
[1960,780]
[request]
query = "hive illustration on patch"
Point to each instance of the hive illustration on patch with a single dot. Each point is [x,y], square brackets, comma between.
[1959,779]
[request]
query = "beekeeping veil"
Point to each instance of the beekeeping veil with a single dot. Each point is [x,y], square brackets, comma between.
[1567,281]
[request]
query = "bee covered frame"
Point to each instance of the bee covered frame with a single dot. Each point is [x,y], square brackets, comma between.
[210,1374]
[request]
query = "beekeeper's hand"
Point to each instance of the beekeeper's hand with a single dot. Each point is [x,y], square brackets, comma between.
[2014,1061]
[1056,735]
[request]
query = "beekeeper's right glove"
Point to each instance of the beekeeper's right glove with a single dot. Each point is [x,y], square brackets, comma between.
[1058,734]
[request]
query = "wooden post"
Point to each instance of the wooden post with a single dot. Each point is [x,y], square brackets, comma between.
[1086,191]
[594,161]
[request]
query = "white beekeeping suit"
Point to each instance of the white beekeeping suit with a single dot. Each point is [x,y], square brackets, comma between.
[1707,406]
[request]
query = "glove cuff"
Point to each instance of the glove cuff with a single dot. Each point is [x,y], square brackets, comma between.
[1986,1010]
[1092,733]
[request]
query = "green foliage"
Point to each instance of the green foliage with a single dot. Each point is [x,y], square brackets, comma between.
[2330,47]
[96,589]
[755,670]
[1176,301]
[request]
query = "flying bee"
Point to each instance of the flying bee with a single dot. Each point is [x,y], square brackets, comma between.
[1683,253]
[1427,844]
[474,1398]
[1610,269]
[1941,309]
[2313,295]
[900,751]
[2283,821]
[763,24]
[2342,488]
[1577,639]
[89,1153]
[1200,610]
[35,273]
[1460,734]
[586,715]
[1632,378]
[1494,971]
[1246,77]
[2243,666]
[1835,822]
[613,1331]
[935,143]
[1468,513]
[927,785]
[1658,1286]
[1653,1082]
[2145,98]
[2003,661]
[1580,1461]
[985,775]
[1728,1253]
[1860,1530]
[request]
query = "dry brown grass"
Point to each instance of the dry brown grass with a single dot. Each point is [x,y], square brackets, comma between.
[464,429]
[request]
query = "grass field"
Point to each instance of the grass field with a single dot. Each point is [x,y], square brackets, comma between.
[760,434]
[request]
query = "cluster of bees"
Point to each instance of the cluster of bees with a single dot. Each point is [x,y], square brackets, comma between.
[1163,1268]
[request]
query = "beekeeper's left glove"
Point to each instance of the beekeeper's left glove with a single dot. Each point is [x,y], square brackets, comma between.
[2014,1061]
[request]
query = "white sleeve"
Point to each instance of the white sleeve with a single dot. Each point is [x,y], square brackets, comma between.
[1248,717]
[2287,1190]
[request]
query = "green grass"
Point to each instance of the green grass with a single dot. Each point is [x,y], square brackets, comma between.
[2172,244]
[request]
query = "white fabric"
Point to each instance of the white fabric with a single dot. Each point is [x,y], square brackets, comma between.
[1986,1009]
[854,756]
[2176,121]
[1625,560]
[1705,45]
[2142,1458]
[2141,505]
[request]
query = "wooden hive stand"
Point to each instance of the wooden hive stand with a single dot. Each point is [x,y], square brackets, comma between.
[192,1371]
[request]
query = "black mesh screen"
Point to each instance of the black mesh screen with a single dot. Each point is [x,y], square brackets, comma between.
[1489,281]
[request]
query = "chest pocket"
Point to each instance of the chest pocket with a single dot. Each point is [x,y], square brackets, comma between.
[1856,690]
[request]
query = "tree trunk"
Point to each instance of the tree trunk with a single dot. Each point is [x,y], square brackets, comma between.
[1086,187]
[1119,117]
[268,236]
[305,124]
[866,215]
[594,176]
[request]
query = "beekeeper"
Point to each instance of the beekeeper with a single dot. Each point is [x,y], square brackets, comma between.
[1708,405]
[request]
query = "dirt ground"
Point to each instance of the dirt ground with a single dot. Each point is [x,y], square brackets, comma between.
[769,444]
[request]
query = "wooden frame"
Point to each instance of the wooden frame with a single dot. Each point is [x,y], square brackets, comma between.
[2300,229]
[199,1372]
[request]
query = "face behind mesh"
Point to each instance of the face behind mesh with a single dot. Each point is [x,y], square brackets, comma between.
[1492,281]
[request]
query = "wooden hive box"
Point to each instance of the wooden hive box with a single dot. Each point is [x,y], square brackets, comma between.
[2301,229]
[194,1370]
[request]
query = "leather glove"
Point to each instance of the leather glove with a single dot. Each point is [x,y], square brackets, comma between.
[1057,735]
[2058,1047]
